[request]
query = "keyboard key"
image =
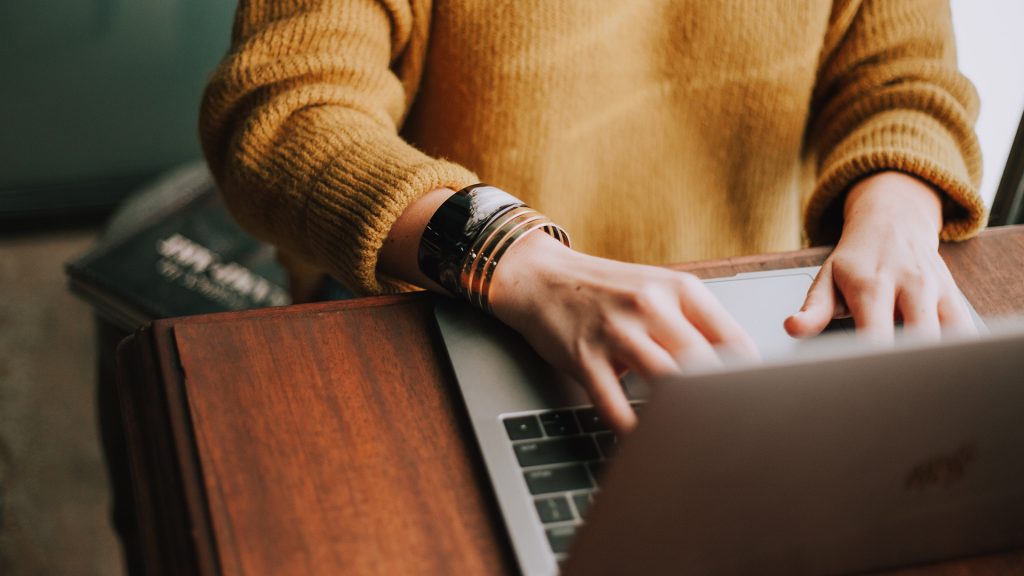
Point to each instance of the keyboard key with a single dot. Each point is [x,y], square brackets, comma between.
[582,502]
[564,479]
[560,538]
[553,509]
[556,451]
[607,442]
[559,423]
[596,470]
[523,428]
[590,421]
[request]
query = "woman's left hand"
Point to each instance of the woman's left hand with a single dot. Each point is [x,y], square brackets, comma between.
[886,266]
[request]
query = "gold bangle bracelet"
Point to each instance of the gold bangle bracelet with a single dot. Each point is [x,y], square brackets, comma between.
[467,236]
[512,238]
[512,230]
[484,247]
[492,243]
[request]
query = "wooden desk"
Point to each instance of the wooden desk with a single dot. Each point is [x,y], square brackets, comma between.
[330,439]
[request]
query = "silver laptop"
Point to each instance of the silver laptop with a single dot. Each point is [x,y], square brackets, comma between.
[546,451]
[838,462]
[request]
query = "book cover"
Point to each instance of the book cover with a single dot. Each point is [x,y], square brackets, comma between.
[175,250]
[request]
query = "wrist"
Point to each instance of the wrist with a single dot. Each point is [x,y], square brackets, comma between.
[895,197]
[471,233]
[526,265]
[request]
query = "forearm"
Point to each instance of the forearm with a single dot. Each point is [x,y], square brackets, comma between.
[303,140]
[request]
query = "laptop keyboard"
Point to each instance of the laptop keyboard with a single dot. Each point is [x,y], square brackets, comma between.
[562,454]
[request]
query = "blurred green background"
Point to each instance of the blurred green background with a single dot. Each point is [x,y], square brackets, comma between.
[97,96]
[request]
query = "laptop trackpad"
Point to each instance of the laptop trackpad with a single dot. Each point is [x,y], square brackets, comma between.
[762,301]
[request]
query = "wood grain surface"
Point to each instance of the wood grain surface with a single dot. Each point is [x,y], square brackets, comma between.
[330,438]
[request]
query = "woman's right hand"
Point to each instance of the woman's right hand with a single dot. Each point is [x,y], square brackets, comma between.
[595,318]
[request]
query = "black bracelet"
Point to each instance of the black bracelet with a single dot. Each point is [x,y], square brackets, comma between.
[449,236]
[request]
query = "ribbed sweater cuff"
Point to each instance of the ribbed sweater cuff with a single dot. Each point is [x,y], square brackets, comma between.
[906,141]
[358,204]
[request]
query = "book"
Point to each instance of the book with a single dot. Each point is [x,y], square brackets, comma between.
[174,250]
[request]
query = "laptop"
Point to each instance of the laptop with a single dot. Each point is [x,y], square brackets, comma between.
[546,451]
[840,461]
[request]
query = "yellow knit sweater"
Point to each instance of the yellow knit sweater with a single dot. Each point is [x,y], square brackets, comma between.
[654,131]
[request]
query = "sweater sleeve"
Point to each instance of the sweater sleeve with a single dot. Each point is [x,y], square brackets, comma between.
[889,96]
[299,125]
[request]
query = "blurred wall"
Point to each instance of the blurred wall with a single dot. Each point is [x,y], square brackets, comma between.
[990,46]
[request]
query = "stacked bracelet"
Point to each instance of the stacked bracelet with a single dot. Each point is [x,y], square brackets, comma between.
[467,236]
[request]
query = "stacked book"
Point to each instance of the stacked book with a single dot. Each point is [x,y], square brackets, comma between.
[174,250]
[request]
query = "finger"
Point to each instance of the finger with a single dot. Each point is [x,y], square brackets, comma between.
[873,307]
[919,307]
[670,329]
[819,307]
[954,315]
[707,322]
[638,352]
[684,343]
[606,392]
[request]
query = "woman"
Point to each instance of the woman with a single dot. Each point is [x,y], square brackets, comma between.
[654,132]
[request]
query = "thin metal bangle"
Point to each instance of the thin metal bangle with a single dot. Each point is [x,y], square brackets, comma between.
[467,236]
[488,257]
[511,239]
[483,245]
[479,278]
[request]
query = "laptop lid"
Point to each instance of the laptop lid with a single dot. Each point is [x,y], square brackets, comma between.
[835,462]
